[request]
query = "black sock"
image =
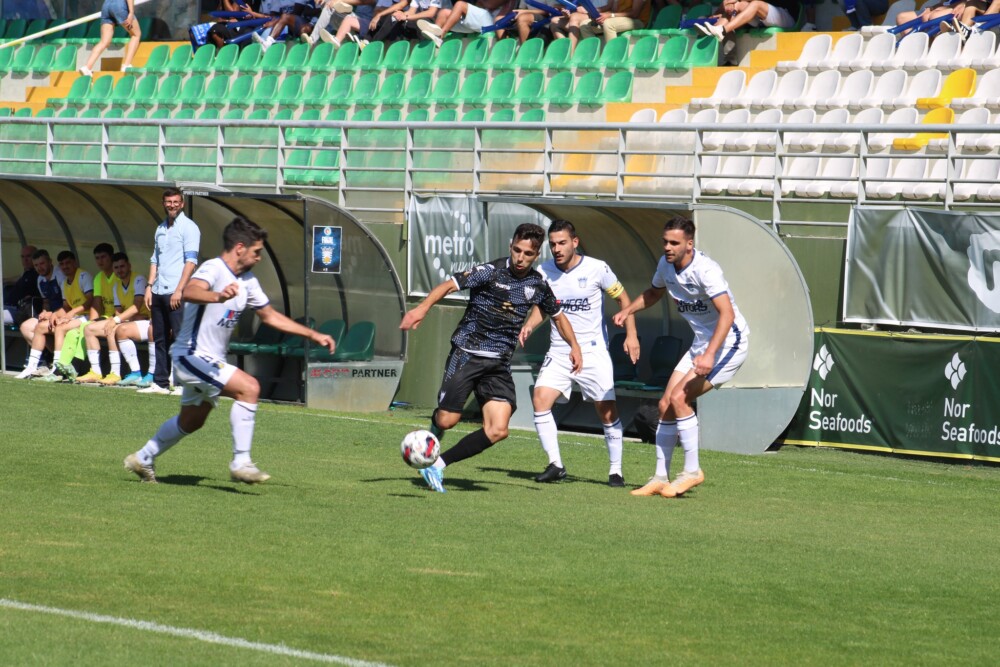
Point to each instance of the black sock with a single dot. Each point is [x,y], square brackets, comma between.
[469,446]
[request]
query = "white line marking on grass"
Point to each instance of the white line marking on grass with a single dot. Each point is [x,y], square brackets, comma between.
[188,633]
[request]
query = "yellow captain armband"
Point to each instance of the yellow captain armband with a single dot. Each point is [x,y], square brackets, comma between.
[615,290]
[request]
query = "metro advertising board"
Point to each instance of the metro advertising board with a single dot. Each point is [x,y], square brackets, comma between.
[905,394]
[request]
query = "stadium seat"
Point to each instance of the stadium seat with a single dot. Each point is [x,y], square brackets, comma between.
[880,141]
[937,116]
[192,92]
[663,357]
[446,57]
[728,172]
[730,125]
[296,346]
[755,93]
[799,117]
[849,140]
[622,366]
[201,61]
[529,90]
[667,19]
[370,59]
[813,140]
[855,87]
[365,90]
[501,89]
[755,141]
[6,56]
[21,62]
[264,336]
[394,59]
[263,93]
[14,29]
[216,91]
[986,94]
[296,57]
[65,60]
[822,86]
[122,94]
[900,173]
[704,53]
[358,343]
[528,55]
[878,49]
[618,88]
[729,86]
[421,56]
[559,89]
[225,60]
[978,48]
[272,60]
[760,179]
[945,48]
[813,51]
[555,59]
[615,54]
[320,60]
[473,90]
[339,92]
[77,95]
[249,60]
[847,49]
[589,89]
[977,179]
[477,50]
[910,49]
[933,183]
[288,93]
[418,90]
[390,92]
[501,56]
[445,90]
[922,84]
[41,61]
[833,172]
[586,55]
[644,51]
[960,83]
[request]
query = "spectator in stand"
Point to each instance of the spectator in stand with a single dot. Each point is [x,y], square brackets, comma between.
[624,15]
[570,28]
[220,33]
[347,18]
[737,13]
[399,21]
[860,12]
[964,23]
[115,12]
[298,22]
[464,17]
[26,287]
[527,16]
[941,11]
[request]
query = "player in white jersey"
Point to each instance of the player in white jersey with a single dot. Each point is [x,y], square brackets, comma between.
[579,283]
[215,296]
[721,340]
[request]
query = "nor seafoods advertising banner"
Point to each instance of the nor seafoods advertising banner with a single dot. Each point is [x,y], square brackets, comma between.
[902,393]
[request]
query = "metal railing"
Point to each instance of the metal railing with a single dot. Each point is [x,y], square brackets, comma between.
[373,168]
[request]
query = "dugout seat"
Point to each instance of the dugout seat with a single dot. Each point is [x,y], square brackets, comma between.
[663,358]
[622,366]
[358,344]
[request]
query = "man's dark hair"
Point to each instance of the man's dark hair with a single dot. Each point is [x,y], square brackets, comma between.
[529,231]
[65,254]
[681,223]
[41,252]
[172,192]
[241,230]
[119,256]
[104,249]
[563,226]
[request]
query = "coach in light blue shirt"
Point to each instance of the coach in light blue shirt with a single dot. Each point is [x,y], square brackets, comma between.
[175,256]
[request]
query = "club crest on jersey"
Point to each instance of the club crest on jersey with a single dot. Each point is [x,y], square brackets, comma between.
[229,319]
[529,292]
[582,282]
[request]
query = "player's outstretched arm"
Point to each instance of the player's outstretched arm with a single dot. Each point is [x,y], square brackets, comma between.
[645,300]
[704,362]
[285,324]
[416,315]
[565,330]
[535,318]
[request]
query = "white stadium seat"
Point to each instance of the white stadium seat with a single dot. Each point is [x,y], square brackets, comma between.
[803,141]
[760,141]
[987,94]
[799,139]
[985,171]
[761,178]
[987,62]
[903,171]
[979,48]
[729,172]
[888,86]
[922,84]
[944,49]
[813,51]
[729,85]
[674,116]
[804,169]
[643,116]
[848,141]
[932,184]
[878,49]
[823,86]
[760,87]
[832,174]
[791,85]
[733,124]
[963,140]
[855,87]
[846,49]
[879,141]
[908,50]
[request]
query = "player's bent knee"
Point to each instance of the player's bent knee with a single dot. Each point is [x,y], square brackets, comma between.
[446,420]
[496,433]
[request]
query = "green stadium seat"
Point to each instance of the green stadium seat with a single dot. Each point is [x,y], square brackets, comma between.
[501,56]
[314,92]
[167,91]
[473,90]
[144,89]
[615,54]
[240,91]
[65,60]
[415,116]
[320,61]
[325,168]
[296,170]
[15,29]
[358,343]
[422,57]
[275,348]
[6,56]
[418,90]
[704,53]
[339,92]
[249,60]
[668,18]
[477,50]
[192,93]
[156,62]
[264,92]
[216,90]
[556,57]
[365,90]
[201,61]
[529,55]
[100,89]
[328,136]
[180,58]
[77,95]
[445,90]
[81,158]
[73,35]
[296,347]
[288,92]
[296,57]
[643,55]
[296,135]
[233,114]
[264,335]
[529,91]
[35,25]
[586,54]
[41,60]
[391,91]
[559,89]
[122,94]
[624,371]
[22,58]
[501,89]
[474,115]
[672,54]
[395,57]
[446,57]
[617,89]
[271,61]
[371,58]
[225,60]
[663,357]
[346,58]
[587,91]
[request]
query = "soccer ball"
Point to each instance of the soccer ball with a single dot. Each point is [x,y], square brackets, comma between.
[420,449]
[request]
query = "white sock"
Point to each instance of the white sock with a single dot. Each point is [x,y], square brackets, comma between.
[115,358]
[152,358]
[94,357]
[55,356]
[687,428]
[242,419]
[666,438]
[168,435]
[439,464]
[127,350]
[613,439]
[33,358]
[545,424]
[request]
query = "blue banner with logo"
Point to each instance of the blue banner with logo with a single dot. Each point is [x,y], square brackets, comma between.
[902,393]
[326,249]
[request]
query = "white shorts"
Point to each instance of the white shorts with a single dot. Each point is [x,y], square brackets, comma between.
[596,380]
[777,17]
[143,327]
[203,378]
[474,20]
[728,359]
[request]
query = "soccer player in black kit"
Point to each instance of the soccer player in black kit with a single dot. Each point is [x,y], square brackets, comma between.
[501,294]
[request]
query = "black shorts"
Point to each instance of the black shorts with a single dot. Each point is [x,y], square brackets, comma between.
[464,373]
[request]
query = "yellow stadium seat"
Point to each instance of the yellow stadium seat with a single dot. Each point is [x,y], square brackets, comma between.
[939,116]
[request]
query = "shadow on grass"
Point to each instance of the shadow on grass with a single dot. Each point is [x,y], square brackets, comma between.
[196,480]
[522,474]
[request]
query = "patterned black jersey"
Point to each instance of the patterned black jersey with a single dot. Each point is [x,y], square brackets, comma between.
[498,305]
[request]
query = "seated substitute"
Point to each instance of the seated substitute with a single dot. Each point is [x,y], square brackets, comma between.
[26,287]
[50,281]
[101,310]
[78,296]
[133,326]
[214,298]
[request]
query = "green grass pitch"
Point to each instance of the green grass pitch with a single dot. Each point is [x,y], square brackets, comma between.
[800,557]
